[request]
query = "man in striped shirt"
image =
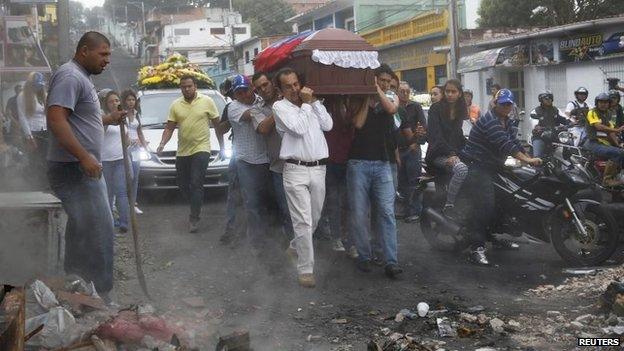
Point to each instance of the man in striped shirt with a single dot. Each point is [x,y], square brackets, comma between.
[492,139]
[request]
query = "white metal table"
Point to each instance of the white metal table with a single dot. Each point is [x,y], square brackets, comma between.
[56,221]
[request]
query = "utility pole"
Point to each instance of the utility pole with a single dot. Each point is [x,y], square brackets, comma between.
[454,38]
[65,52]
[143,15]
[135,3]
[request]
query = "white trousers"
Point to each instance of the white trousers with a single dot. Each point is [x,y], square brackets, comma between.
[305,194]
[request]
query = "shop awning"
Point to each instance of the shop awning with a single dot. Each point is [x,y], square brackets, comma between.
[478,61]
[509,56]
[19,49]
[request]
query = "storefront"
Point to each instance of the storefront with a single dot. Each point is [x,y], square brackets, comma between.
[20,53]
[559,59]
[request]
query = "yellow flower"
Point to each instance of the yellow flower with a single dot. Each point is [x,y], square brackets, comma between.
[152,80]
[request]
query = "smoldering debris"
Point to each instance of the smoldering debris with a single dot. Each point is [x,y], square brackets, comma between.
[67,314]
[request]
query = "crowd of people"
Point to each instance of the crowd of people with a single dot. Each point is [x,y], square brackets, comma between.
[306,165]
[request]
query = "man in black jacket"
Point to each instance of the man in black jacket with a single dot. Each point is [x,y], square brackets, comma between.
[549,118]
[412,136]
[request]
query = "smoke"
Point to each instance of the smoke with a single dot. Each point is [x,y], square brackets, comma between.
[24,253]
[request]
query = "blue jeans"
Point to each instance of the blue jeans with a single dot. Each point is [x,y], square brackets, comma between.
[409,175]
[479,194]
[191,174]
[254,180]
[372,181]
[336,204]
[613,153]
[539,147]
[115,176]
[136,168]
[282,204]
[234,198]
[89,233]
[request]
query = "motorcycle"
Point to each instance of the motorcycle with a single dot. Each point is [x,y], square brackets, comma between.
[571,156]
[541,203]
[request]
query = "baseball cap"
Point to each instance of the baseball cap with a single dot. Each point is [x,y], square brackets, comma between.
[504,96]
[38,80]
[240,82]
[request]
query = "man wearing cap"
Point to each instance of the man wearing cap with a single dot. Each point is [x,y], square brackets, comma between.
[491,140]
[192,114]
[301,119]
[252,159]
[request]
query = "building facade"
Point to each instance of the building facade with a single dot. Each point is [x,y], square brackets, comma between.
[199,40]
[407,47]
[559,59]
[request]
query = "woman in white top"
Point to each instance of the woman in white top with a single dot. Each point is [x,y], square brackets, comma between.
[31,114]
[138,144]
[113,164]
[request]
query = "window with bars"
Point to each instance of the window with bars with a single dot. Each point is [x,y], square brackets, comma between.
[516,85]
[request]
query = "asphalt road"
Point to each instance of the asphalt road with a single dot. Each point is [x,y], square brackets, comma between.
[260,293]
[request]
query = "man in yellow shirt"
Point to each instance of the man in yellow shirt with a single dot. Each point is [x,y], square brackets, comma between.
[192,114]
[602,139]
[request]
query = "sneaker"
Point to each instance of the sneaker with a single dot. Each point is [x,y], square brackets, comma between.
[392,271]
[505,245]
[137,210]
[478,257]
[378,261]
[193,227]
[412,219]
[352,253]
[364,266]
[337,246]
[306,280]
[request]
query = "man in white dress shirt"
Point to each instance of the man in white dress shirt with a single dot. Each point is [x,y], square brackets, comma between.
[301,119]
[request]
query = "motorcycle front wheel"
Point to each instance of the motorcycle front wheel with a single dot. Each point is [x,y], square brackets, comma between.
[599,245]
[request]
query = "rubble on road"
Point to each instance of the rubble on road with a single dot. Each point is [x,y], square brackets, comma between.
[68,314]
[596,307]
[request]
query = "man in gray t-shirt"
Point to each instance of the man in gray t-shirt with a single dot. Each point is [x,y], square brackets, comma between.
[74,170]
[252,161]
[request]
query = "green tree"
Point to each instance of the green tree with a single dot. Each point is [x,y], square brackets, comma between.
[543,13]
[267,17]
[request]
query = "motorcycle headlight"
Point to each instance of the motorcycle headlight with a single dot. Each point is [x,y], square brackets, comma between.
[565,137]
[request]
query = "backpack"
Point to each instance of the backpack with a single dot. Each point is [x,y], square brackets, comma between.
[580,112]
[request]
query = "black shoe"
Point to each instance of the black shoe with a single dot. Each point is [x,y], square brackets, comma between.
[392,271]
[364,266]
[412,219]
[505,245]
[449,211]
[123,230]
[226,239]
[378,261]
[478,256]
[193,226]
